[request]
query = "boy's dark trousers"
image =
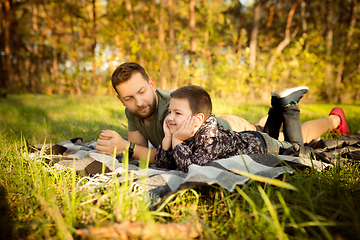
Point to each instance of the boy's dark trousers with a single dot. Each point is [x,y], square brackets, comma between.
[289,116]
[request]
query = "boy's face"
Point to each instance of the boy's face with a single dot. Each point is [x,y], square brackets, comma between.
[138,96]
[179,111]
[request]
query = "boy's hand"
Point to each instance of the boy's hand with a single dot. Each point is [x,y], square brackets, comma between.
[186,131]
[166,128]
[166,142]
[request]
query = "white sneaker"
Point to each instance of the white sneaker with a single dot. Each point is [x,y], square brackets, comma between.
[288,95]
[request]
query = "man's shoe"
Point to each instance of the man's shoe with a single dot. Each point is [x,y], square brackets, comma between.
[343,127]
[289,95]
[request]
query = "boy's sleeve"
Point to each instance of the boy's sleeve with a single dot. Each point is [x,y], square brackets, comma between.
[164,158]
[205,152]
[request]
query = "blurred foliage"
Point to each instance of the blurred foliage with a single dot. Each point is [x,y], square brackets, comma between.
[72,47]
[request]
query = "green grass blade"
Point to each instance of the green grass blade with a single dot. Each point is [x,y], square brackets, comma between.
[271,181]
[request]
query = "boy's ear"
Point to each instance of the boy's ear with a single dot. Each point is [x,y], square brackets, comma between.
[199,119]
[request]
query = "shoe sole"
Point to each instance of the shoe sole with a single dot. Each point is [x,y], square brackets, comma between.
[288,95]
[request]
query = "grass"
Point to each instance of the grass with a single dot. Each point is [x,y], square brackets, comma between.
[38,202]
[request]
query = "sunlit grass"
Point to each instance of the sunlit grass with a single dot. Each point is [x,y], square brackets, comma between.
[46,203]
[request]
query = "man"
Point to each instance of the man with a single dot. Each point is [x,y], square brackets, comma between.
[138,94]
[146,109]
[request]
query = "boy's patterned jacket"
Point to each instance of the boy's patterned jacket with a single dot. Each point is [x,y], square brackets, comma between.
[209,143]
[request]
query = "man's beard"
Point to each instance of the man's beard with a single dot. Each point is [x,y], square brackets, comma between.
[151,111]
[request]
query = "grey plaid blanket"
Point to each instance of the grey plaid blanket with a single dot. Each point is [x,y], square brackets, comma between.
[160,183]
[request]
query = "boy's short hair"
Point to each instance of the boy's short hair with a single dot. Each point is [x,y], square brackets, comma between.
[199,100]
[124,72]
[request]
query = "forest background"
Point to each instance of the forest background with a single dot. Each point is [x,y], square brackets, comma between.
[241,49]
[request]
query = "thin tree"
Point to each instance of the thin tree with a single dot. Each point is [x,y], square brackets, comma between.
[329,44]
[6,22]
[345,49]
[172,44]
[192,23]
[255,32]
[258,5]
[161,37]
[91,7]
[282,45]
[304,24]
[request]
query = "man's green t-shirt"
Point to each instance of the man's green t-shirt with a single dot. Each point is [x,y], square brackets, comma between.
[154,132]
[224,123]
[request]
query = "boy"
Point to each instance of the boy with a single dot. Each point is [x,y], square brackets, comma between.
[193,136]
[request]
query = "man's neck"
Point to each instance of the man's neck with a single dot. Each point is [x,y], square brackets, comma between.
[148,120]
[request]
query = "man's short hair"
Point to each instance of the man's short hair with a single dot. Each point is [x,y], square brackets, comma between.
[124,72]
[199,100]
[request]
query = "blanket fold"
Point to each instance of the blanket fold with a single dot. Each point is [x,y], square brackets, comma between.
[342,150]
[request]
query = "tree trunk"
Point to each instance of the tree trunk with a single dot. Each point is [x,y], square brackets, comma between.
[76,80]
[92,16]
[255,33]
[304,24]
[6,78]
[329,43]
[282,45]
[162,55]
[267,36]
[55,70]
[207,55]
[171,60]
[2,80]
[35,50]
[40,63]
[192,40]
[344,50]
[253,47]
[357,94]
[241,30]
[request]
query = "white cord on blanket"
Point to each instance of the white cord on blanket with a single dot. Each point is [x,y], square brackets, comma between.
[136,189]
[95,182]
[103,180]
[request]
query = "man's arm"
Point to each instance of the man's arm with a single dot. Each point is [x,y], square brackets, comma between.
[141,149]
[109,140]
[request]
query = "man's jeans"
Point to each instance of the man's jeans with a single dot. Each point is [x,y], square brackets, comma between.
[271,145]
[289,116]
[274,145]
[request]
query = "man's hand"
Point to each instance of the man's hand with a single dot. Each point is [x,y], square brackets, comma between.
[186,131]
[107,142]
